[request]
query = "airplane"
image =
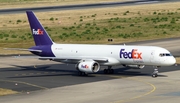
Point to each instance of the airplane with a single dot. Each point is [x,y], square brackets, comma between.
[90,57]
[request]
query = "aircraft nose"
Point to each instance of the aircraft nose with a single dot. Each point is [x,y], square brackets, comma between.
[172,61]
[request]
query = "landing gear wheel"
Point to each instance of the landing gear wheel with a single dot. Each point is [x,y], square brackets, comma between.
[109,70]
[155,73]
[82,73]
[105,71]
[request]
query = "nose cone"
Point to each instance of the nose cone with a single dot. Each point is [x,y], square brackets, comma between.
[171,61]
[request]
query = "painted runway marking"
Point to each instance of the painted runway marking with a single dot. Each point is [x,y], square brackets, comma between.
[23,74]
[31,73]
[153,88]
[19,82]
[134,79]
[149,2]
[139,96]
[39,73]
[35,66]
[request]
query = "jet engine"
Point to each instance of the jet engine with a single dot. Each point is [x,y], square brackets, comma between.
[135,66]
[88,66]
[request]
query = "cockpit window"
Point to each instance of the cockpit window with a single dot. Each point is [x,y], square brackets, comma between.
[168,55]
[165,54]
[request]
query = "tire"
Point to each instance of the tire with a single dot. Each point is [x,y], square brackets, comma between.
[154,75]
[80,73]
[105,71]
[111,71]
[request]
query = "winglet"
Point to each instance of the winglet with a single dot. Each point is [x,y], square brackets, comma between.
[40,35]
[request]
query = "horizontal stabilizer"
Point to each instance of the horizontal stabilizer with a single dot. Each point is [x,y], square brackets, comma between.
[22,49]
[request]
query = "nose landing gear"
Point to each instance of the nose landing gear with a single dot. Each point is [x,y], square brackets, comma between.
[155,73]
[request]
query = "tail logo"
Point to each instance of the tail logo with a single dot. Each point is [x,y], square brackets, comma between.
[37,32]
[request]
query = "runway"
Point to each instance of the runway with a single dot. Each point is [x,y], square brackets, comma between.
[56,82]
[54,74]
[83,6]
[47,81]
[169,43]
[43,81]
[46,74]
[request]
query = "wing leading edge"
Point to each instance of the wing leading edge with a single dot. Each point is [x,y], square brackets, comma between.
[66,58]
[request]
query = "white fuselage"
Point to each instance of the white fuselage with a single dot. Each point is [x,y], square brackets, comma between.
[117,54]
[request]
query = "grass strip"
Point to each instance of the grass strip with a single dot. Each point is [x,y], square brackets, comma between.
[95,26]
[4,92]
[6,4]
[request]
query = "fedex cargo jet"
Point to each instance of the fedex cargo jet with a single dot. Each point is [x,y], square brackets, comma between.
[89,58]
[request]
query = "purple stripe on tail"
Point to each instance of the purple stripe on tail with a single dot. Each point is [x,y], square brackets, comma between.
[46,51]
[40,35]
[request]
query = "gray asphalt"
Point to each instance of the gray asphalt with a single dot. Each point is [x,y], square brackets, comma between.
[23,76]
[49,78]
[169,43]
[42,83]
[59,75]
[83,6]
[44,76]
[49,74]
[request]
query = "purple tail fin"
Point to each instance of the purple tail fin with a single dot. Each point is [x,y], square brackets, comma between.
[40,35]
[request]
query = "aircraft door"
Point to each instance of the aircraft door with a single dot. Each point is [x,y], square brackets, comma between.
[154,58]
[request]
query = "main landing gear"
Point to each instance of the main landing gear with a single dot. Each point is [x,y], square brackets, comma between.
[155,73]
[82,73]
[109,70]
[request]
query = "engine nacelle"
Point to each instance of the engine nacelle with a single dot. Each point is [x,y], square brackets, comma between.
[135,66]
[89,66]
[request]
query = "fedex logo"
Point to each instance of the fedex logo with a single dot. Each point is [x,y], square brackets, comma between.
[37,32]
[84,66]
[134,54]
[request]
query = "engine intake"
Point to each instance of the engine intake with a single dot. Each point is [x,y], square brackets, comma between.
[89,66]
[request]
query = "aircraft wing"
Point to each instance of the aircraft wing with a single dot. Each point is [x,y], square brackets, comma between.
[60,59]
[66,59]
[76,58]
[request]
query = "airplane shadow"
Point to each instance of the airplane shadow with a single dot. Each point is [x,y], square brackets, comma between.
[52,70]
[147,71]
[63,70]
[44,68]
